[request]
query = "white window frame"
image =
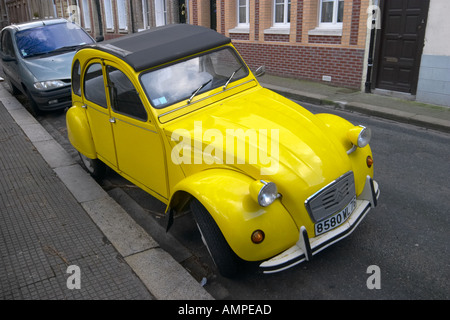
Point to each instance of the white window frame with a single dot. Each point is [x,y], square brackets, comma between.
[86,15]
[246,23]
[286,14]
[109,17]
[145,15]
[122,15]
[334,24]
[160,13]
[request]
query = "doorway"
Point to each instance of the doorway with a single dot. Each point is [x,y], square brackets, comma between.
[400,44]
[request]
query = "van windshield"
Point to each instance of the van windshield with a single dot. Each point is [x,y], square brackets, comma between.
[52,38]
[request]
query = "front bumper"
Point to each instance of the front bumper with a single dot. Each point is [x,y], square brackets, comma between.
[54,99]
[306,247]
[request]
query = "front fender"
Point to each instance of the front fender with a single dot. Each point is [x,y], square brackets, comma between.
[226,196]
[79,132]
[339,128]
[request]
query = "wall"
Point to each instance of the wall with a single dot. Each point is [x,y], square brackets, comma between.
[434,76]
[302,50]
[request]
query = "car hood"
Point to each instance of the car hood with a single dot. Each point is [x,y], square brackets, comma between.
[52,67]
[294,148]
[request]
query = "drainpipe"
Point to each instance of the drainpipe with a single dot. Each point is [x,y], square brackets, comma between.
[368,84]
[131,10]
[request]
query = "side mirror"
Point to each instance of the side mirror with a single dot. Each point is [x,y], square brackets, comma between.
[99,38]
[260,71]
[7,58]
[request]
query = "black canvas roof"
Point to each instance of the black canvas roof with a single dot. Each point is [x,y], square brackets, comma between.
[155,46]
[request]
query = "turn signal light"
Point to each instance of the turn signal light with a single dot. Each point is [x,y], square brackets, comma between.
[258,236]
[369,161]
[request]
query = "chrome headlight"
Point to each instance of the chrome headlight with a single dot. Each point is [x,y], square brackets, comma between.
[265,193]
[360,136]
[48,85]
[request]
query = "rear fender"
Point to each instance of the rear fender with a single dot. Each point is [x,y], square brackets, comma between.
[226,196]
[79,132]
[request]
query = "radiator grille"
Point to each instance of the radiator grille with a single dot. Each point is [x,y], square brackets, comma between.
[332,198]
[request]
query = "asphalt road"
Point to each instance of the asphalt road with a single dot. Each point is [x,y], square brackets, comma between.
[406,237]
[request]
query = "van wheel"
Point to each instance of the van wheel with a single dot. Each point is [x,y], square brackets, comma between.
[13,88]
[33,107]
[223,256]
[95,167]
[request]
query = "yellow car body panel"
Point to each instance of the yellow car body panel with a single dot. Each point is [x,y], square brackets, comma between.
[213,145]
[238,215]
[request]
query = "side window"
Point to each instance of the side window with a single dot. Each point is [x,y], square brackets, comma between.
[7,46]
[124,96]
[76,78]
[94,88]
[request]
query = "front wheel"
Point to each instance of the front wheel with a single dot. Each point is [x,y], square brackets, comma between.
[95,167]
[223,256]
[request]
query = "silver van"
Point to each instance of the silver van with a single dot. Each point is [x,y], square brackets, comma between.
[36,60]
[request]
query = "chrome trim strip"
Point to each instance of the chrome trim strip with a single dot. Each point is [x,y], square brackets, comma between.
[134,125]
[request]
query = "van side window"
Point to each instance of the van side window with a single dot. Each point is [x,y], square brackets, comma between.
[124,96]
[94,87]
[6,43]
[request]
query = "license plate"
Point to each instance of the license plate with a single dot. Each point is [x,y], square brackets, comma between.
[337,219]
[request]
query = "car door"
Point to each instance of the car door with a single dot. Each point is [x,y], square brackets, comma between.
[97,109]
[9,58]
[139,147]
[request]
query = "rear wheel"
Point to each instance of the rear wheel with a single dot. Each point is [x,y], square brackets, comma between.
[95,167]
[223,256]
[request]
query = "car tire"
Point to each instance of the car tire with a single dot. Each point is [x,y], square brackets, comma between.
[95,167]
[14,90]
[34,109]
[226,261]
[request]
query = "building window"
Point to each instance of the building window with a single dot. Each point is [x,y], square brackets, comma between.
[160,12]
[142,22]
[86,15]
[109,15]
[282,13]
[331,13]
[243,13]
[122,14]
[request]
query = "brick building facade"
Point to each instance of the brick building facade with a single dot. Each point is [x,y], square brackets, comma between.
[319,40]
[326,41]
[108,18]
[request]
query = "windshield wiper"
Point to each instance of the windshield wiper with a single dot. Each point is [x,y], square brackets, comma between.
[194,93]
[66,48]
[231,77]
[61,49]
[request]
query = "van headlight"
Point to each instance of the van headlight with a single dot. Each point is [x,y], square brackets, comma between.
[48,85]
[265,193]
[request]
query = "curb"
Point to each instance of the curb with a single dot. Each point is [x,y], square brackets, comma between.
[163,276]
[377,111]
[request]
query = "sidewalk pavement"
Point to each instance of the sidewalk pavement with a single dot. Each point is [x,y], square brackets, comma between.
[394,108]
[54,215]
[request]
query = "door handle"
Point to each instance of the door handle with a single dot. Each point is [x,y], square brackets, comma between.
[112,120]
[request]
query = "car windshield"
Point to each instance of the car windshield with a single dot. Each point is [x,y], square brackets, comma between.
[51,38]
[184,80]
